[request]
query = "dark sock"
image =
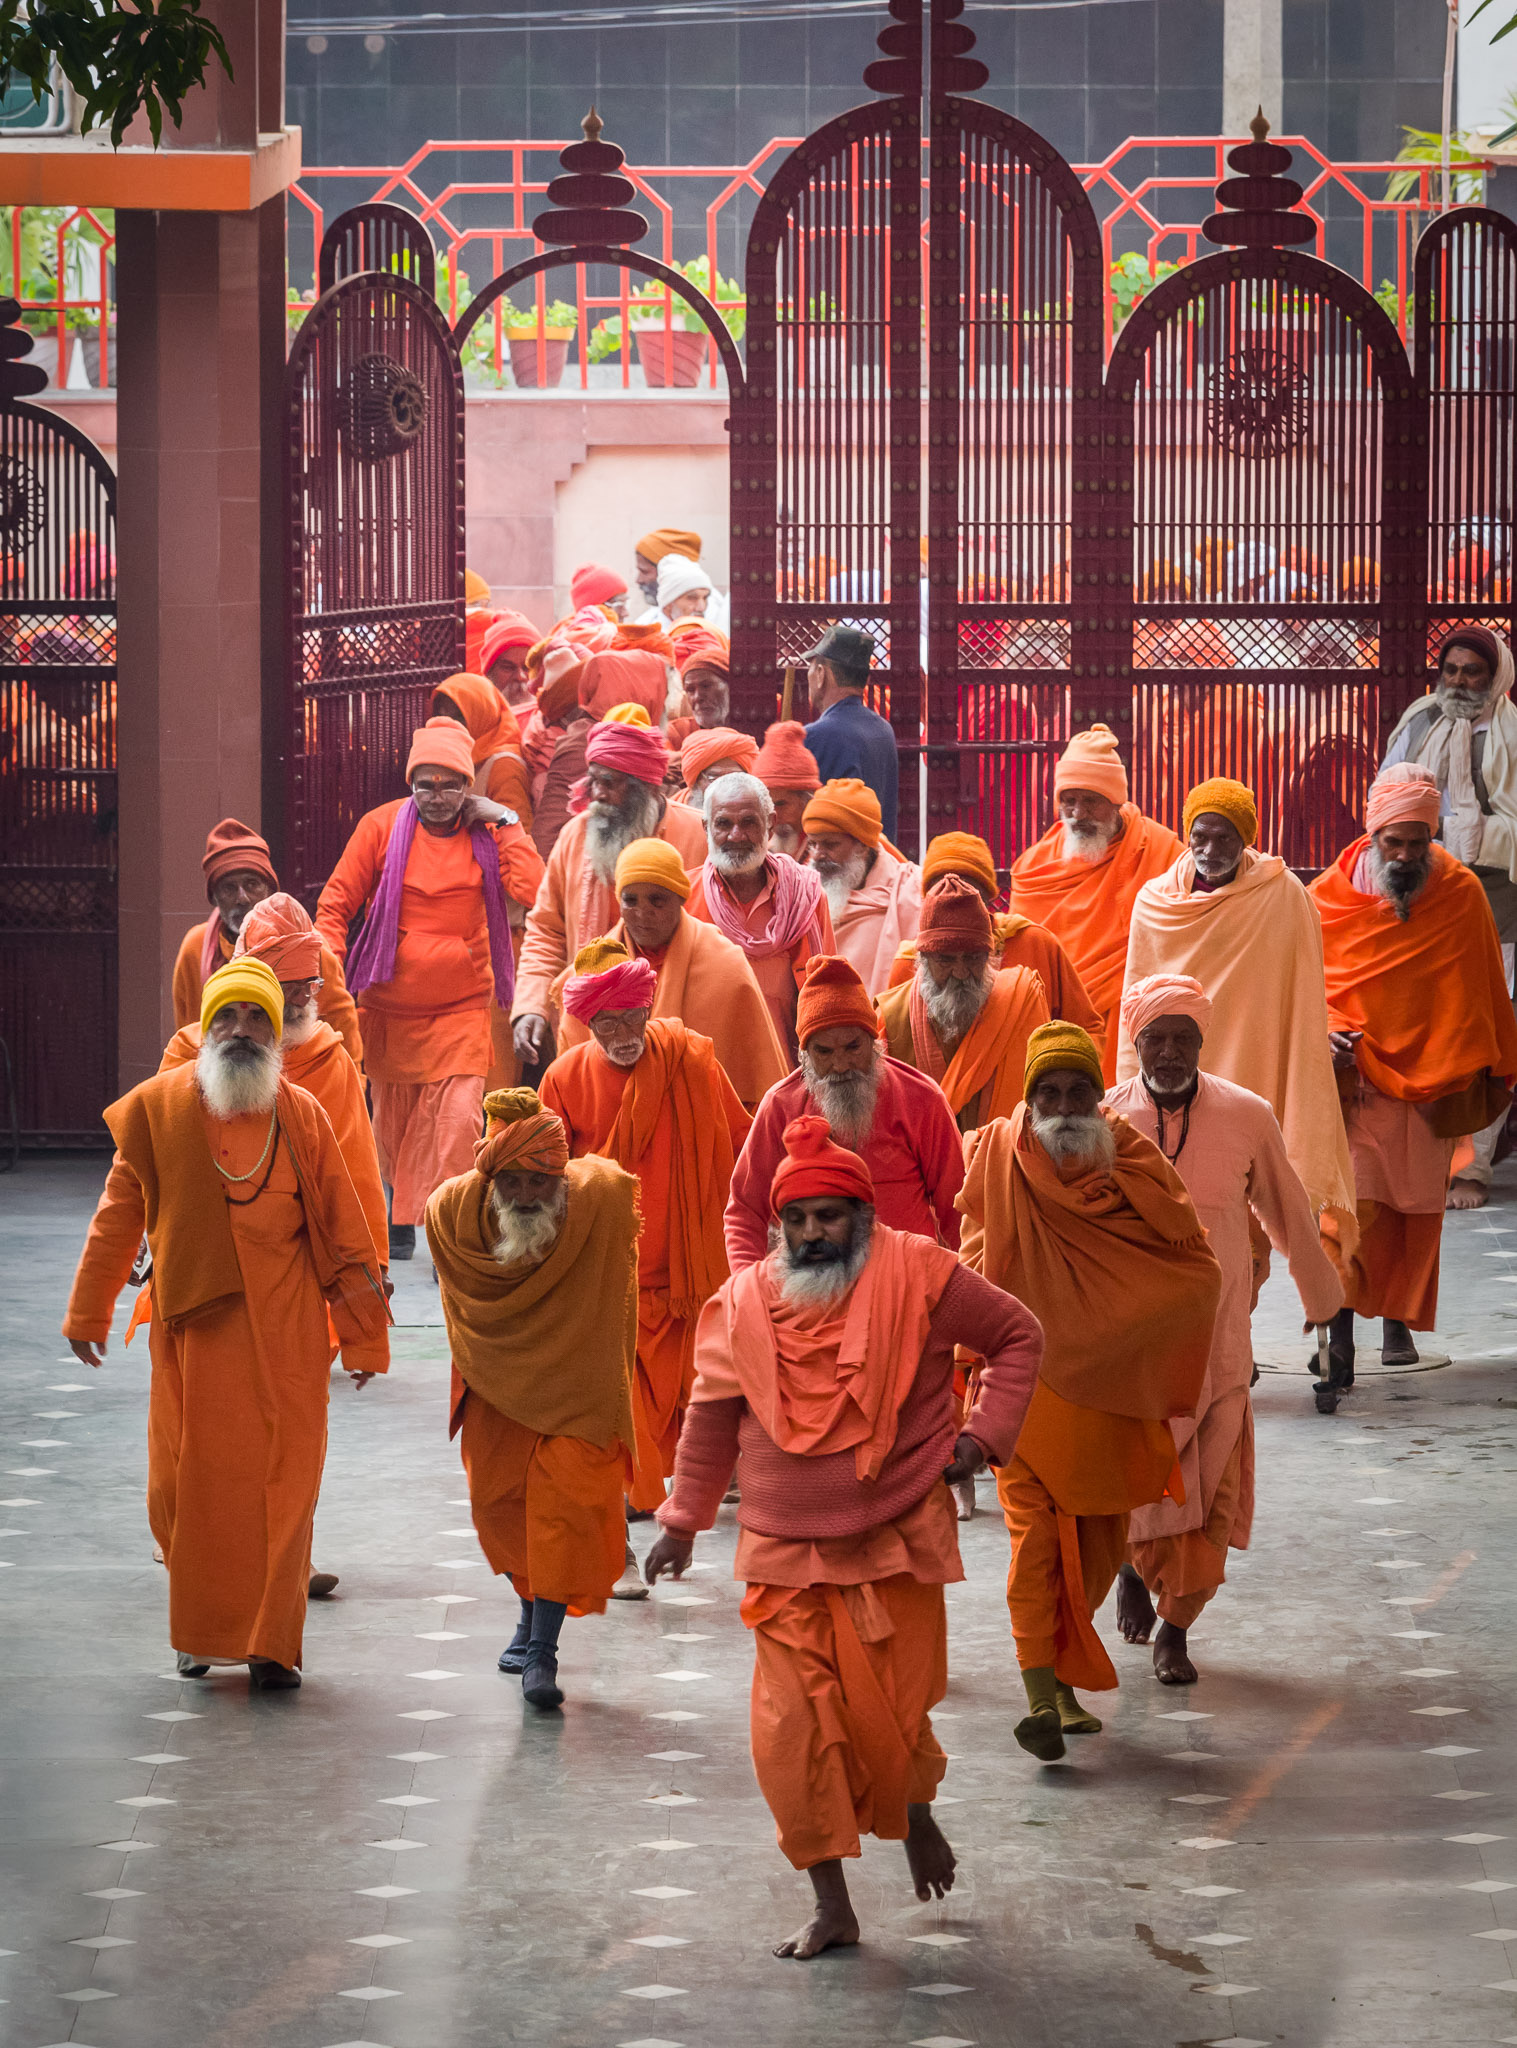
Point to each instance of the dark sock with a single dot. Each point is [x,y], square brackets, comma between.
[523,1634]
[547,1620]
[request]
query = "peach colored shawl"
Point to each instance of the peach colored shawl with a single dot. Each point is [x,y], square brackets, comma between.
[878,917]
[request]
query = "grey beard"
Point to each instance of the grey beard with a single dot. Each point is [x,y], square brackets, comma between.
[625,1055]
[1088,839]
[1465,704]
[839,879]
[712,719]
[728,862]
[846,1100]
[1086,1140]
[1399,882]
[238,1084]
[954,1006]
[806,1285]
[785,839]
[610,828]
[525,1237]
[234,919]
[300,1025]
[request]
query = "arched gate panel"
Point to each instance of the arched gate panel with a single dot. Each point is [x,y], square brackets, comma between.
[376,537]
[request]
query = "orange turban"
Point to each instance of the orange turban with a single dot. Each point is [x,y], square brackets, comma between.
[441,743]
[520,1136]
[1164,995]
[1061,1048]
[784,760]
[506,629]
[846,805]
[833,998]
[631,677]
[954,919]
[669,540]
[1404,795]
[702,750]
[1223,798]
[813,1165]
[234,849]
[959,853]
[655,862]
[476,590]
[488,718]
[697,645]
[279,932]
[1091,761]
[638,636]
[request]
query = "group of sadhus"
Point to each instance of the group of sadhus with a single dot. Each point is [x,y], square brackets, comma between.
[838,1186]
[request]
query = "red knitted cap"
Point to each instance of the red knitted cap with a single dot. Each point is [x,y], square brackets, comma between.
[814,1165]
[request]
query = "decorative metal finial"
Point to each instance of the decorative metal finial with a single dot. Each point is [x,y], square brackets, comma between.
[898,71]
[18,379]
[1259,126]
[590,202]
[592,125]
[1257,207]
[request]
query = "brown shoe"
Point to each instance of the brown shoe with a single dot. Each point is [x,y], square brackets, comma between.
[323,1585]
[267,1676]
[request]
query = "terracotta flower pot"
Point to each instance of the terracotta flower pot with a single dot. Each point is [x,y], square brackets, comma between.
[523,346]
[685,358]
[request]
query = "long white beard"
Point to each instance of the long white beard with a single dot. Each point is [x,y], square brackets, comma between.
[1088,839]
[1086,1140]
[1400,884]
[610,828]
[525,1237]
[238,1084]
[805,1285]
[300,1025]
[839,879]
[954,1006]
[1467,704]
[727,861]
[846,1100]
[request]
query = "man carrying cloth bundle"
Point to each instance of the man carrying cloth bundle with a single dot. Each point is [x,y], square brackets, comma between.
[826,1371]
[1068,1208]
[650,1095]
[536,1259]
[1424,1043]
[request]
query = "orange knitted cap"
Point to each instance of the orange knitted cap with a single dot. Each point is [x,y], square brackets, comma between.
[814,1165]
[954,918]
[846,805]
[785,761]
[833,998]
[959,853]
[1091,761]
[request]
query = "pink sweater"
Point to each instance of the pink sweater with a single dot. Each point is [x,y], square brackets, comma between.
[787,1495]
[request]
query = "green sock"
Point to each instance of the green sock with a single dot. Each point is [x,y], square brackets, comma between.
[1042,1689]
[1073,1718]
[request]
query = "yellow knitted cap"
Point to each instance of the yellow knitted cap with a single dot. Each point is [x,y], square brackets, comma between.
[1054,1047]
[1224,799]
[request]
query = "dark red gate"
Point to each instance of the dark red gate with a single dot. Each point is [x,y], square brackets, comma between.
[376,563]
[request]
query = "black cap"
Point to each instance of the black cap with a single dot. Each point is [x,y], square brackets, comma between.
[847,647]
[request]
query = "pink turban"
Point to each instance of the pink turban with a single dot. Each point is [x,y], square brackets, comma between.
[1404,795]
[1164,995]
[628,750]
[627,986]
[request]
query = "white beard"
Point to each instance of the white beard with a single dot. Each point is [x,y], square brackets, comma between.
[238,1084]
[300,1025]
[728,863]
[525,1237]
[625,1055]
[1076,1140]
[1400,899]
[846,1100]
[804,1285]
[953,1007]
[1466,704]
[1088,840]
[839,879]
[610,830]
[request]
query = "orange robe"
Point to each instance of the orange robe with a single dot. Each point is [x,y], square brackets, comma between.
[1021,943]
[334,1005]
[1087,905]
[574,905]
[674,1121]
[779,975]
[1430,1067]
[240,1342]
[986,1074]
[709,985]
[542,1366]
[1117,1269]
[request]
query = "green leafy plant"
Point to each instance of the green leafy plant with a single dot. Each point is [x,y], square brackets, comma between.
[1505,30]
[119,60]
[38,274]
[523,319]
[1425,146]
[1130,280]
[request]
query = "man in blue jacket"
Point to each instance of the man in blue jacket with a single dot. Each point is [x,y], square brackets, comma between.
[848,738]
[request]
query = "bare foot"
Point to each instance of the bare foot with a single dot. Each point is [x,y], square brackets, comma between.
[1135,1611]
[1467,1194]
[930,1859]
[1172,1666]
[963,1500]
[833,1924]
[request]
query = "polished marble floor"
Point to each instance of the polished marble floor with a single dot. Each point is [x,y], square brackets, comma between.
[1312,1846]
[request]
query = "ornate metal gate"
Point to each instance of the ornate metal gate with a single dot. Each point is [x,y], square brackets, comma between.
[376,552]
[57,767]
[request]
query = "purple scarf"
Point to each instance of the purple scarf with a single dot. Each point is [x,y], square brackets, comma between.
[372,958]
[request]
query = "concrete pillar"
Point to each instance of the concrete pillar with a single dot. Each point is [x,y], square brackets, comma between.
[1252,67]
[200,298]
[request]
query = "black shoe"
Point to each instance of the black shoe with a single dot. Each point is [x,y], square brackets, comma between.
[638,1514]
[402,1241]
[539,1682]
[1397,1345]
[267,1676]
[188,1666]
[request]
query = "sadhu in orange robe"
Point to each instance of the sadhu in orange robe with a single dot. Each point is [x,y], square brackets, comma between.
[334,1005]
[243,1284]
[674,1121]
[1117,1269]
[1017,942]
[984,1075]
[542,1371]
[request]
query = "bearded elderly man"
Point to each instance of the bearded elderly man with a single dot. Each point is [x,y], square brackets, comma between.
[760,899]
[826,1373]
[1465,734]
[787,768]
[703,978]
[650,1095]
[1081,879]
[959,1019]
[257,1240]
[239,872]
[1239,922]
[896,1119]
[706,757]
[625,764]
[1425,1046]
[1015,941]
[873,892]
[1226,1146]
[536,1259]
[1082,1218]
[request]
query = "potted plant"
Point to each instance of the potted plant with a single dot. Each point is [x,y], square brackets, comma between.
[539,346]
[672,351]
